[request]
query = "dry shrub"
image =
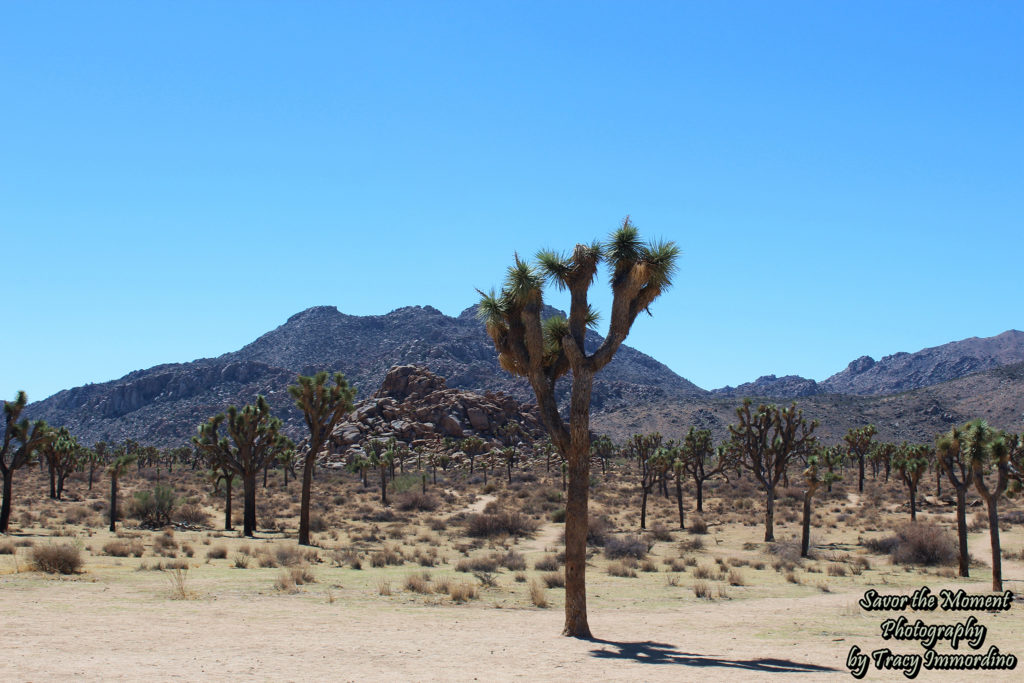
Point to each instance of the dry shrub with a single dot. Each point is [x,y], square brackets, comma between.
[179,584]
[165,543]
[617,547]
[217,552]
[598,531]
[554,579]
[702,589]
[416,500]
[736,578]
[285,583]
[648,566]
[123,548]
[620,568]
[64,558]
[500,524]
[384,587]
[694,544]
[792,577]
[513,561]
[706,572]
[302,575]
[538,595]
[418,583]
[462,591]
[6,547]
[836,569]
[479,563]
[698,526]
[677,566]
[925,544]
[241,561]
[660,532]
[548,563]
[192,514]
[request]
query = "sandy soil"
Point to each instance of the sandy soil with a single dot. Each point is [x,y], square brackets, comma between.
[115,623]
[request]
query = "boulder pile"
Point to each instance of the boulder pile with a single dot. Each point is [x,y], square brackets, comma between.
[415,406]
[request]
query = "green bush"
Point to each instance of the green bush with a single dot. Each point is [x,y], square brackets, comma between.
[154,508]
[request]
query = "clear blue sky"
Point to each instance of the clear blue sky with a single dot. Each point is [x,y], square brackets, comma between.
[177,178]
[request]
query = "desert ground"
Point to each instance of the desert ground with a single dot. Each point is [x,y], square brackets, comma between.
[407,592]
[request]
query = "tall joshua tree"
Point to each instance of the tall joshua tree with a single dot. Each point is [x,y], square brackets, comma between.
[123,459]
[544,351]
[764,442]
[858,442]
[62,458]
[257,442]
[21,441]
[951,461]
[911,462]
[643,447]
[323,403]
[986,449]
[696,454]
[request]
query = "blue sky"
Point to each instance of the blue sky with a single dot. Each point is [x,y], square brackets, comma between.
[177,178]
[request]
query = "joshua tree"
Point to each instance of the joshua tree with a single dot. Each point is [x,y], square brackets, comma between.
[643,447]
[544,351]
[602,448]
[30,437]
[96,456]
[286,459]
[951,460]
[881,453]
[215,458]
[858,442]
[510,433]
[257,442]
[380,454]
[323,404]
[832,457]
[911,462]
[814,481]
[695,456]
[61,453]
[764,442]
[985,449]
[123,459]
[472,446]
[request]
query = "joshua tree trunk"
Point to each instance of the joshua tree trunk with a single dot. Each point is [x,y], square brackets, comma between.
[92,468]
[60,485]
[679,500]
[249,504]
[938,482]
[383,486]
[913,504]
[227,503]
[961,529]
[805,536]
[700,495]
[769,516]
[992,502]
[113,502]
[5,507]
[643,508]
[53,480]
[423,480]
[307,493]
[576,524]
[860,475]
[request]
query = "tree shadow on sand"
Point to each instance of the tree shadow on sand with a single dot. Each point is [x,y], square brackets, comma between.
[649,652]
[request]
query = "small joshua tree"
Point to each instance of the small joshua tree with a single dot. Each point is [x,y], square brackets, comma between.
[61,453]
[601,448]
[22,439]
[764,442]
[858,442]
[381,454]
[814,480]
[696,456]
[123,459]
[323,403]
[544,351]
[911,462]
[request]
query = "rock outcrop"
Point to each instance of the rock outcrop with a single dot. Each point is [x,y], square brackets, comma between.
[416,406]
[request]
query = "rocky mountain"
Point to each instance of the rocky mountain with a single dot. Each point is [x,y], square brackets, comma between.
[896,373]
[163,405]
[995,395]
